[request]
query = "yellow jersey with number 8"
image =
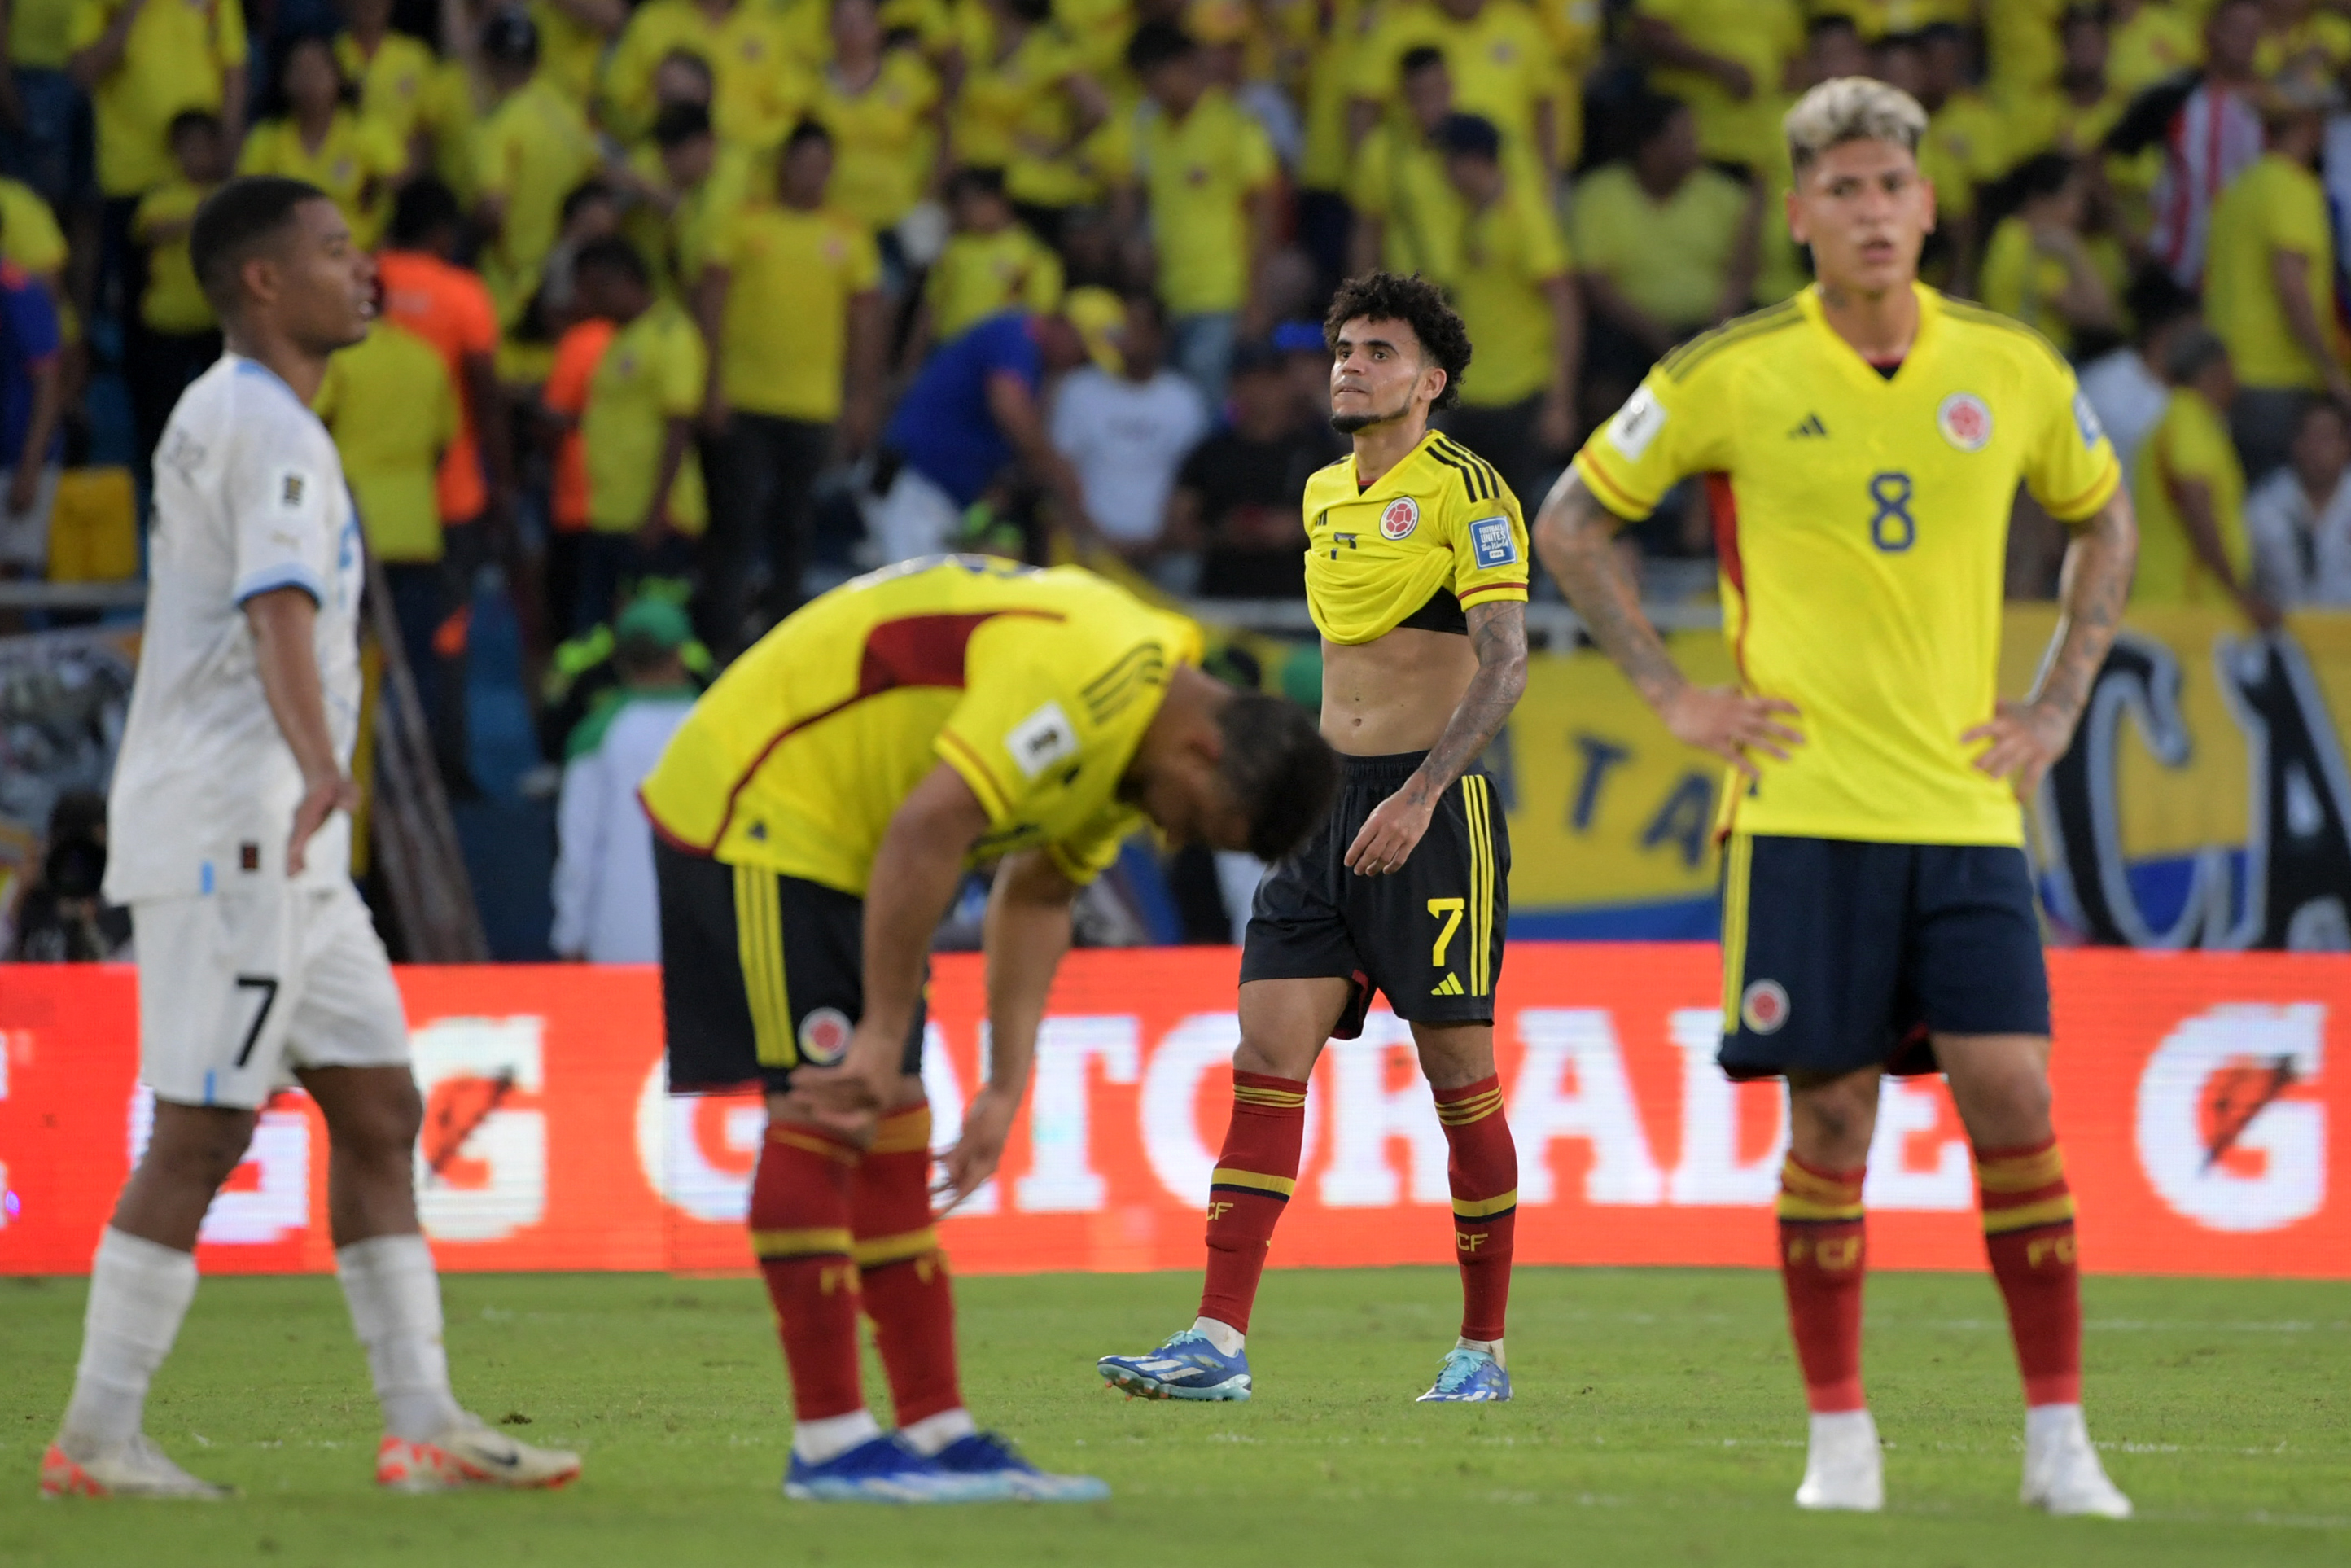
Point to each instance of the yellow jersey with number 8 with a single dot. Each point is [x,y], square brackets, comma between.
[1860,520]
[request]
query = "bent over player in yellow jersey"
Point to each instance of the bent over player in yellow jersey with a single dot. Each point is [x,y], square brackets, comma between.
[1417,574]
[1863,444]
[815,813]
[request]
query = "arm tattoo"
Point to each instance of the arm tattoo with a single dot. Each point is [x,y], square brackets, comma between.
[1577,533]
[1498,633]
[2097,583]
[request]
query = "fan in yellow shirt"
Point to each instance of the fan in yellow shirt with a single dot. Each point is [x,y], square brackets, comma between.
[762,85]
[30,240]
[1209,173]
[1408,216]
[530,150]
[573,36]
[2190,490]
[1027,104]
[2151,39]
[145,63]
[2073,113]
[392,410]
[393,70]
[181,337]
[1513,285]
[991,263]
[688,182]
[791,308]
[1664,245]
[2045,268]
[1725,58]
[882,105]
[636,427]
[2269,272]
[309,131]
[1501,60]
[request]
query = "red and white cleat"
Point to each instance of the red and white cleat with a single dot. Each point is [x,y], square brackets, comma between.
[471,1455]
[132,1467]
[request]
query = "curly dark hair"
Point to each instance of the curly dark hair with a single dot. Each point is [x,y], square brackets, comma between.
[1411,299]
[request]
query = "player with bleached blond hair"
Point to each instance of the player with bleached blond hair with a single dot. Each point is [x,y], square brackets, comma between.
[1862,444]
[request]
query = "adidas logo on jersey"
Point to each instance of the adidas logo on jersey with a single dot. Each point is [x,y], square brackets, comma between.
[1450,986]
[1811,426]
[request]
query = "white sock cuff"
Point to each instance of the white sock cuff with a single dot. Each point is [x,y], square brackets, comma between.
[139,1290]
[933,1433]
[391,1286]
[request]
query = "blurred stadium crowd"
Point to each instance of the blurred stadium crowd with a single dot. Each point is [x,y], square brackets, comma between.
[694,307]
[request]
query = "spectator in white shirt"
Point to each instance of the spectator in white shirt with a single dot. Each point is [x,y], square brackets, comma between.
[606,909]
[2122,385]
[1126,435]
[2300,516]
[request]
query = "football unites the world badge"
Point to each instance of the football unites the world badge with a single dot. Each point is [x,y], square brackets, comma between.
[1965,421]
[1402,515]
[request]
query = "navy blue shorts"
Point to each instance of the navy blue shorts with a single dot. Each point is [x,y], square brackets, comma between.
[1839,955]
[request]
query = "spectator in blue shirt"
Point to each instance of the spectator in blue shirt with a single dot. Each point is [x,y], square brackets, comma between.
[974,412]
[30,404]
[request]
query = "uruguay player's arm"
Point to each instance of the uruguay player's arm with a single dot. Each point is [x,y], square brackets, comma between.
[1575,537]
[2028,738]
[283,620]
[1024,934]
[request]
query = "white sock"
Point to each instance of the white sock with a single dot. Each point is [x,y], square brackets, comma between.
[931,1433]
[1223,1336]
[1492,1347]
[139,1293]
[395,1300]
[1832,1425]
[2049,1426]
[817,1441]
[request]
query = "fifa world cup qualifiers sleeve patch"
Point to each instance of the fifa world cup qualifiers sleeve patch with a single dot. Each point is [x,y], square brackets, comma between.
[1637,424]
[1043,738]
[1491,543]
[2085,420]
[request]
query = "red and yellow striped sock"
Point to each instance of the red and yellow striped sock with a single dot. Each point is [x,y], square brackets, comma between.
[902,1272]
[1255,1175]
[799,1233]
[1484,1172]
[2028,1221]
[1824,1254]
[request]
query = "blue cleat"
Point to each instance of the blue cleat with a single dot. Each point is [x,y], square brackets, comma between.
[883,1470]
[986,1454]
[1189,1367]
[1469,1377]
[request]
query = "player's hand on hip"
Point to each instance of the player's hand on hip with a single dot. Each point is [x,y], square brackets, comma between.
[321,798]
[1388,836]
[860,1087]
[1732,724]
[986,1124]
[2025,741]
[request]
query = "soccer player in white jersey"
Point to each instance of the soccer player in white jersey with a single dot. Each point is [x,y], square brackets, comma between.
[229,833]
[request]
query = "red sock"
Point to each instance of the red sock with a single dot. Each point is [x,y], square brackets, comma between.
[799,1233]
[2028,1221]
[1822,1255]
[1484,1172]
[905,1276]
[1255,1175]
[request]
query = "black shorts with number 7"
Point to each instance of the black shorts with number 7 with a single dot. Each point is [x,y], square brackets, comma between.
[1429,938]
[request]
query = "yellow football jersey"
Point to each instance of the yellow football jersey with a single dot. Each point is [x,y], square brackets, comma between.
[1862,528]
[1036,686]
[1439,525]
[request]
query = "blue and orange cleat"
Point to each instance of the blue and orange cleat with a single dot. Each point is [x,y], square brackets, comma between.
[986,1454]
[884,1470]
[1189,1367]
[1469,1377]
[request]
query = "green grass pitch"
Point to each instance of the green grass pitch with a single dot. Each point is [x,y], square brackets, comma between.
[1657,1420]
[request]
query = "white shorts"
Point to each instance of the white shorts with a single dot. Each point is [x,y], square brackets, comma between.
[238,990]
